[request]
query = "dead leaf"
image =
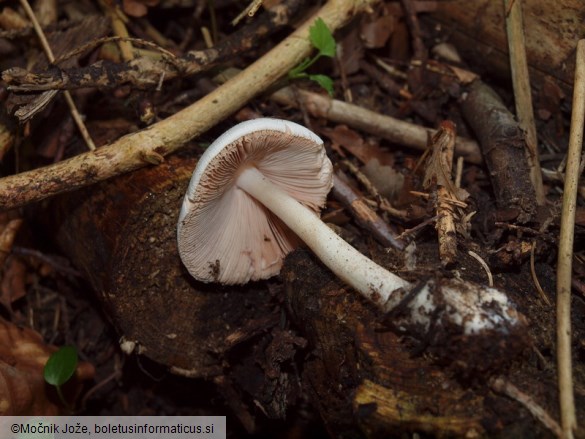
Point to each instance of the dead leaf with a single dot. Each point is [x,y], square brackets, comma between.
[375,34]
[386,179]
[138,8]
[464,76]
[355,144]
[23,390]
[13,285]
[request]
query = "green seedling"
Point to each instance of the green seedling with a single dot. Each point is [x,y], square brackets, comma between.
[59,369]
[321,38]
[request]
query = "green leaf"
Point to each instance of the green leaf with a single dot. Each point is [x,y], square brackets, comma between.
[324,81]
[321,37]
[61,366]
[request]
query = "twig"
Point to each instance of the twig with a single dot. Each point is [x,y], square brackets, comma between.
[565,258]
[365,216]
[47,49]
[522,95]
[382,202]
[389,128]
[249,11]
[501,385]
[537,285]
[132,151]
[119,28]
[420,52]
[484,265]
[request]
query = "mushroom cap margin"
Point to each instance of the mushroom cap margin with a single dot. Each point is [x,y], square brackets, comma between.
[225,235]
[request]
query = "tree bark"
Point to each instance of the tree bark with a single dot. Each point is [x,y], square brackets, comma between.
[122,235]
[477,29]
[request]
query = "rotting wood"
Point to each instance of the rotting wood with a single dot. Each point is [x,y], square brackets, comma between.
[368,382]
[438,177]
[122,236]
[502,142]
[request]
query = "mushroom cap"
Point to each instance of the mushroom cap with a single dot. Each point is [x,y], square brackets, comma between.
[225,235]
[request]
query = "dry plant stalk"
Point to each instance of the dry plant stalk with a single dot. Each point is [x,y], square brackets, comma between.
[438,177]
[49,53]
[565,258]
[152,144]
[522,95]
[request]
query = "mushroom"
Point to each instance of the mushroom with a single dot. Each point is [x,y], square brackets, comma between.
[258,189]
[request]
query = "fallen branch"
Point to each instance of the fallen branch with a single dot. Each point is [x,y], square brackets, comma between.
[152,144]
[502,143]
[389,128]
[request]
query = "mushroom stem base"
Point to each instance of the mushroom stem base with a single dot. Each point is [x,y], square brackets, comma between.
[371,280]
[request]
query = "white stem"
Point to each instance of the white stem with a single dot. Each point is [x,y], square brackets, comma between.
[367,277]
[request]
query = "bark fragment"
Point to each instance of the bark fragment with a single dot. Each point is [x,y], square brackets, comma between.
[502,142]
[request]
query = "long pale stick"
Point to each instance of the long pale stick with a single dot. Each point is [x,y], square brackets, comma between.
[565,260]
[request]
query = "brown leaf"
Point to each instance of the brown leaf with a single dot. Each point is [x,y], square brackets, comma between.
[138,8]
[13,286]
[375,34]
[355,144]
[23,390]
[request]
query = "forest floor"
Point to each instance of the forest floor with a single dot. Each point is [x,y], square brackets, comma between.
[391,63]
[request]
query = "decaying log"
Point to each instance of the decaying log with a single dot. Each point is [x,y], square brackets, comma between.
[477,28]
[122,235]
[361,375]
[502,142]
[368,381]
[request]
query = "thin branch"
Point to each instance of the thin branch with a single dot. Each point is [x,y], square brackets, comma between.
[138,149]
[365,216]
[389,128]
[565,258]
[68,98]
[501,385]
[522,95]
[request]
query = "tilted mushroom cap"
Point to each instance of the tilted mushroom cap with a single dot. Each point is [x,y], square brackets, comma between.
[225,235]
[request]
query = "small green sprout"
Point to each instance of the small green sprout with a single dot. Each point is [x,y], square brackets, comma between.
[321,38]
[59,369]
